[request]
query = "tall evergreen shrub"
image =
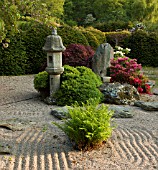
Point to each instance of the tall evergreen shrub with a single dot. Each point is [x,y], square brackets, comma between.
[144,47]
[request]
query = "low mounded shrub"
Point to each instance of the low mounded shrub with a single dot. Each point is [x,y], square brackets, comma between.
[88,126]
[41,84]
[77,55]
[41,80]
[78,84]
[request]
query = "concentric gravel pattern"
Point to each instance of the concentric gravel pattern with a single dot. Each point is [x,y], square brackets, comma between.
[39,145]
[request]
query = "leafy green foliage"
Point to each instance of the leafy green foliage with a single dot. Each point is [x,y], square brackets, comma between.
[34,38]
[22,53]
[117,38]
[13,60]
[41,80]
[78,84]
[88,126]
[144,47]
[111,10]
[97,33]
[91,38]
[111,26]
[72,35]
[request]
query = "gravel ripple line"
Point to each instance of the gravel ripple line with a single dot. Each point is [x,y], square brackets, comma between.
[151,151]
[127,146]
[19,154]
[140,147]
[33,151]
[119,150]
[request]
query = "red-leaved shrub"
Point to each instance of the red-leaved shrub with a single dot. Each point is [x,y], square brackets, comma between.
[78,55]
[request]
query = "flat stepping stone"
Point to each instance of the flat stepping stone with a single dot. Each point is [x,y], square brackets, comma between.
[121,111]
[155,91]
[149,106]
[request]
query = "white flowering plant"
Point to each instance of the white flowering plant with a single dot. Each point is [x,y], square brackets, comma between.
[121,52]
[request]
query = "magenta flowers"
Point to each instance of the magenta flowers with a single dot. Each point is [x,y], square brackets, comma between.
[126,70]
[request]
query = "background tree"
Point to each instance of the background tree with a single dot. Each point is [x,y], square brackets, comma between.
[13,11]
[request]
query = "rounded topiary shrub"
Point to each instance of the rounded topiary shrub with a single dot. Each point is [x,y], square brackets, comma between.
[41,83]
[91,38]
[98,34]
[78,55]
[71,35]
[78,85]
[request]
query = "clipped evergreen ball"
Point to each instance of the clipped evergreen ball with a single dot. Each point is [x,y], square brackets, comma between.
[78,85]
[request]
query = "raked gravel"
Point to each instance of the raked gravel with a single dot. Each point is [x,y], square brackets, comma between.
[32,142]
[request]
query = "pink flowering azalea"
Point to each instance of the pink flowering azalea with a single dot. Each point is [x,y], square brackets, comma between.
[140,90]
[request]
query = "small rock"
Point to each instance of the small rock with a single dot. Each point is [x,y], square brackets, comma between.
[60,113]
[121,111]
[149,106]
[155,91]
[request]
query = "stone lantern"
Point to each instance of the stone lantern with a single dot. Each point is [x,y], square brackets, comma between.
[54,48]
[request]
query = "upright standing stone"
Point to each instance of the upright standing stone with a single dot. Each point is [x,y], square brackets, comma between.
[101,59]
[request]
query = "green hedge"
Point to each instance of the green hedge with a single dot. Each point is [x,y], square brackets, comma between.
[112,26]
[97,33]
[72,35]
[144,47]
[34,38]
[24,54]
[91,38]
[117,38]
[13,59]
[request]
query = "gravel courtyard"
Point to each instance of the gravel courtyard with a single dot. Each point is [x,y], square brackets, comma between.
[29,141]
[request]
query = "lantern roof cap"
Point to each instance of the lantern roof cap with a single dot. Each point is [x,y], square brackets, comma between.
[54,43]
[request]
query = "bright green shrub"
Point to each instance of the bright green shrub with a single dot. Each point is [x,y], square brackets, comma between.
[92,40]
[78,84]
[144,47]
[88,126]
[72,35]
[98,34]
[117,38]
[13,59]
[41,80]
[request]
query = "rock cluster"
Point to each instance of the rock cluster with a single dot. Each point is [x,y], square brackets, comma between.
[116,93]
